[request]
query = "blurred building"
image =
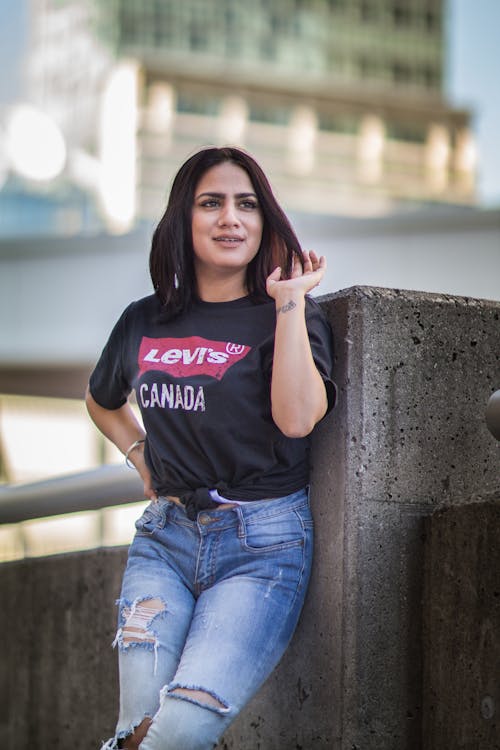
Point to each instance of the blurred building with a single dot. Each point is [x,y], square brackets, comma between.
[342,101]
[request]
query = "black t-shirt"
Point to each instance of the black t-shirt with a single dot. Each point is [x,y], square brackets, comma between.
[202,382]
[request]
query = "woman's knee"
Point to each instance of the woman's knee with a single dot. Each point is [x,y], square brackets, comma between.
[190,719]
[133,741]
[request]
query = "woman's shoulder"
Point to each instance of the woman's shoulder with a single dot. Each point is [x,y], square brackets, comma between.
[143,307]
[314,308]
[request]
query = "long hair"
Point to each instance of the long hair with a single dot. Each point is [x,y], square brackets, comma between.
[171,261]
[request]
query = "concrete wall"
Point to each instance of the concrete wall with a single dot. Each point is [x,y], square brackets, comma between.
[462,627]
[58,683]
[415,372]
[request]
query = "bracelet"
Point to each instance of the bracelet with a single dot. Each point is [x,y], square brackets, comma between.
[134,445]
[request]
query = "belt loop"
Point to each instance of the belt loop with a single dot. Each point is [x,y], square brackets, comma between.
[238,509]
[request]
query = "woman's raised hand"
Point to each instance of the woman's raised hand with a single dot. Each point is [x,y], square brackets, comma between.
[303,278]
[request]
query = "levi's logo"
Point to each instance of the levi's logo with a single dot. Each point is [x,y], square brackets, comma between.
[189,356]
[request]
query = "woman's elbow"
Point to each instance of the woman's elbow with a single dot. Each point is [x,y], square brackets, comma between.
[89,400]
[297,432]
[294,427]
[94,409]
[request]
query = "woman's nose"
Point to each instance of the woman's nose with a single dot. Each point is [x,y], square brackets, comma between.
[228,216]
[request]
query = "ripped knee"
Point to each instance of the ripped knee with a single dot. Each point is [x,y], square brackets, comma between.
[138,618]
[132,741]
[129,739]
[137,630]
[198,696]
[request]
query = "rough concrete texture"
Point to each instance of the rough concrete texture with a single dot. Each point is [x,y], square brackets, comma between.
[462,627]
[415,372]
[58,681]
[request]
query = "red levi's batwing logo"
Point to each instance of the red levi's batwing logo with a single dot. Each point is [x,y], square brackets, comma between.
[183,358]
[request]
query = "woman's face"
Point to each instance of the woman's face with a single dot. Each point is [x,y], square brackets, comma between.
[226,223]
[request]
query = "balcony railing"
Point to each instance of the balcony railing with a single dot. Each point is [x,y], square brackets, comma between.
[90,490]
[68,513]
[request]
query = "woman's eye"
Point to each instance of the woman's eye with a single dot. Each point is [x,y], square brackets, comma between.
[248,204]
[211,203]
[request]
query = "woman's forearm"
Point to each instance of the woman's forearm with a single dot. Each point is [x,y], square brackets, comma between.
[298,394]
[122,428]
[118,425]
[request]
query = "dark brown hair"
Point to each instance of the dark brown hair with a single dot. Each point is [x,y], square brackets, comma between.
[171,261]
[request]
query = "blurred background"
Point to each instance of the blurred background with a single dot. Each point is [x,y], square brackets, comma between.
[377,121]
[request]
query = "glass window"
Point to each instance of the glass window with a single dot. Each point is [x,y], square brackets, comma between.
[129,23]
[270,114]
[368,67]
[368,11]
[198,38]
[337,4]
[401,15]
[407,131]
[401,72]
[431,77]
[192,103]
[432,20]
[338,123]
[268,48]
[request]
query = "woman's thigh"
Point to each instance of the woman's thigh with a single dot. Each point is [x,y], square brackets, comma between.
[155,611]
[241,625]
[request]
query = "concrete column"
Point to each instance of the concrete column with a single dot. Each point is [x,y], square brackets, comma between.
[302,133]
[437,157]
[371,146]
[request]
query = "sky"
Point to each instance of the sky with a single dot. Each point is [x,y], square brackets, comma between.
[473,81]
[472,74]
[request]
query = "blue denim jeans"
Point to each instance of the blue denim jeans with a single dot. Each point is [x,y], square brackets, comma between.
[207,605]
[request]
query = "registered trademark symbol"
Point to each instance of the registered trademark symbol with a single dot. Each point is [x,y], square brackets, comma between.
[235,348]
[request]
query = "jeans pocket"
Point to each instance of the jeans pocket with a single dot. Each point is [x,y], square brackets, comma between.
[274,533]
[153,518]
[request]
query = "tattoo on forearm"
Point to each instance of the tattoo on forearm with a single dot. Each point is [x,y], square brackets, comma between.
[286,307]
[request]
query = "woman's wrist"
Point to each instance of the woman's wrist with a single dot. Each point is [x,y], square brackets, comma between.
[135,447]
[289,299]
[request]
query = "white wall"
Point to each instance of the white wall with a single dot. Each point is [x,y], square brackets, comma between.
[59,298]
[457,254]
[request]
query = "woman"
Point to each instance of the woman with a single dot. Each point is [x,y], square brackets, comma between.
[231,366]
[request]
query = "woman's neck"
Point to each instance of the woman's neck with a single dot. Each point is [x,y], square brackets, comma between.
[221,289]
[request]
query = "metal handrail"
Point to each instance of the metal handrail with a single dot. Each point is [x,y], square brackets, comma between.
[493,414]
[89,490]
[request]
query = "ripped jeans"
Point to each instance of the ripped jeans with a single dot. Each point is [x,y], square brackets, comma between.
[207,606]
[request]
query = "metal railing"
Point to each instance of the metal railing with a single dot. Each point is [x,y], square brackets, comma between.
[90,490]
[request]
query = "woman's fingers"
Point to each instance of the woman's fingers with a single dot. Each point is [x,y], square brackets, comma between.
[305,274]
[308,261]
[296,268]
[312,262]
